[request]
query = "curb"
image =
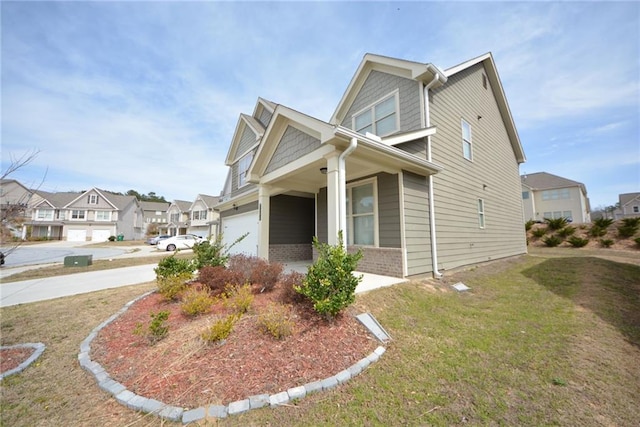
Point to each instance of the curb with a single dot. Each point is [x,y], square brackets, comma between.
[38,350]
[174,413]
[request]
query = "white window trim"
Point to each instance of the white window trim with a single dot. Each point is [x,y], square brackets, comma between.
[370,107]
[349,237]
[242,181]
[71,218]
[45,217]
[102,219]
[482,218]
[93,199]
[464,141]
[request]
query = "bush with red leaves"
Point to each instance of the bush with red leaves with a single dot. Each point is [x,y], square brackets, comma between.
[218,278]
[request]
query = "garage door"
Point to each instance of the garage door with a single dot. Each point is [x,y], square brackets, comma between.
[100,235]
[77,235]
[235,226]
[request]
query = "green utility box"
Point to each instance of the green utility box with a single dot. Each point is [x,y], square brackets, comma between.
[78,260]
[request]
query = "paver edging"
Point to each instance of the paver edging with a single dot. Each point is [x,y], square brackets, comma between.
[173,413]
[38,349]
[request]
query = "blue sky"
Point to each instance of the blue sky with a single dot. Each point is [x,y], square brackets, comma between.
[146,95]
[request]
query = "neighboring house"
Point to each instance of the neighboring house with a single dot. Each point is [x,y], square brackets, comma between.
[203,219]
[629,206]
[154,213]
[92,215]
[418,167]
[177,217]
[549,196]
[15,200]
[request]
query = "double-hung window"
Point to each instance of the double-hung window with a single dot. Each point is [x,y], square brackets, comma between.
[243,168]
[45,214]
[93,199]
[361,214]
[380,118]
[103,215]
[78,214]
[467,150]
[481,213]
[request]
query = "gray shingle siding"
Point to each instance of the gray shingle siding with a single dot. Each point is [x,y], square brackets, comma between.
[247,141]
[378,85]
[293,145]
[265,117]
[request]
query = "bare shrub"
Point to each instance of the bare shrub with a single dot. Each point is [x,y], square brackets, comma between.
[218,278]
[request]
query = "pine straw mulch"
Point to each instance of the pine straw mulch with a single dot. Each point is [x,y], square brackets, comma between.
[185,371]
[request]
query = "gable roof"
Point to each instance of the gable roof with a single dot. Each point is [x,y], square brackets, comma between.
[183,205]
[209,201]
[628,198]
[154,206]
[254,125]
[498,93]
[547,181]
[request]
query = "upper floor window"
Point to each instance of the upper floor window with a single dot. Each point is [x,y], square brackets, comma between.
[467,151]
[525,195]
[44,214]
[361,214]
[380,118]
[199,215]
[243,168]
[103,215]
[93,199]
[175,217]
[78,214]
[636,209]
[481,213]
[557,194]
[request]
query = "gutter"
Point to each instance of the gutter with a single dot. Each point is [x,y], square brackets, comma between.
[432,212]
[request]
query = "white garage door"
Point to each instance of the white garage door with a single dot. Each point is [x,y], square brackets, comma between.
[77,235]
[100,235]
[235,226]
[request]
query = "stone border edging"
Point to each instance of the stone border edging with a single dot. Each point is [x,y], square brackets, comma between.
[38,348]
[175,413]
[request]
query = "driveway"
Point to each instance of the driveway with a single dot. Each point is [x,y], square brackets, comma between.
[53,252]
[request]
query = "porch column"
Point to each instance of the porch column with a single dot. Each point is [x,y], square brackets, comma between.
[333,200]
[264,209]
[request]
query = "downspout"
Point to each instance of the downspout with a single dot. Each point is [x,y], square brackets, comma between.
[432,210]
[342,189]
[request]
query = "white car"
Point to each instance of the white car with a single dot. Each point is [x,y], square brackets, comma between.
[181,241]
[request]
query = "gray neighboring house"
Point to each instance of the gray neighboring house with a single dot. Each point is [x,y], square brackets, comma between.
[92,215]
[177,217]
[203,218]
[545,195]
[418,166]
[629,206]
[15,206]
[154,213]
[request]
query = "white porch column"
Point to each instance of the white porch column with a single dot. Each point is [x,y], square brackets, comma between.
[264,209]
[333,200]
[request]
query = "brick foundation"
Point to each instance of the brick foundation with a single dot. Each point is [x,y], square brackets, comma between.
[288,253]
[383,261]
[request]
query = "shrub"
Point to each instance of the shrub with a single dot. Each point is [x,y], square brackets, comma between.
[539,232]
[172,266]
[112,238]
[529,224]
[552,241]
[631,222]
[329,283]
[157,329]
[170,287]
[578,242]
[210,254]
[637,240]
[218,278]
[566,231]
[556,223]
[606,243]
[196,300]
[266,275]
[238,298]
[220,329]
[626,231]
[603,223]
[288,283]
[597,231]
[244,264]
[276,321]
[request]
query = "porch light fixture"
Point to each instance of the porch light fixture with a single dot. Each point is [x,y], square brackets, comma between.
[235,207]
[323,171]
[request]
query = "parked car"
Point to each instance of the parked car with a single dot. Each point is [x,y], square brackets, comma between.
[155,239]
[181,241]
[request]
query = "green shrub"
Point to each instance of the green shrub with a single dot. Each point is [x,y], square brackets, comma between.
[529,224]
[210,254]
[276,321]
[577,242]
[539,232]
[238,298]
[172,266]
[170,287]
[566,231]
[597,231]
[330,284]
[552,241]
[220,329]
[626,231]
[218,278]
[603,223]
[631,222]
[606,243]
[556,223]
[157,329]
[112,238]
[637,240]
[196,301]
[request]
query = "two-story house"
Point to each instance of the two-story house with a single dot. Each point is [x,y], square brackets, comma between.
[545,195]
[15,204]
[178,218]
[417,167]
[154,213]
[628,206]
[92,215]
[203,218]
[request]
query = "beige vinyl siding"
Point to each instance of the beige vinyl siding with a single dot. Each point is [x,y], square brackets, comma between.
[378,85]
[293,145]
[416,223]
[388,211]
[459,186]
